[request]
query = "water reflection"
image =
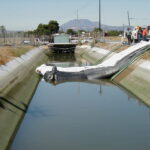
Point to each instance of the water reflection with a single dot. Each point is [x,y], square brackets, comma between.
[67,60]
[100,91]
[101,83]
[62,58]
[93,81]
[2,105]
[39,111]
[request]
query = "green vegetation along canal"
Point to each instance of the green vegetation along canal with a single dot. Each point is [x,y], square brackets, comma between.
[83,115]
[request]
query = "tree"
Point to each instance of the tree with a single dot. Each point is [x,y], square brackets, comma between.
[30,32]
[97,30]
[42,29]
[71,32]
[47,29]
[81,31]
[61,31]
[114,33]
[53,27]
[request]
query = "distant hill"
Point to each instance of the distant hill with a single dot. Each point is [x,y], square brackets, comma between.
[85,24]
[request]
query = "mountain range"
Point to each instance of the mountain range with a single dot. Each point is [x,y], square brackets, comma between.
[87,25]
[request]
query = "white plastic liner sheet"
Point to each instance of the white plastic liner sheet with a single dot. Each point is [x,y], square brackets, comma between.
[111,62]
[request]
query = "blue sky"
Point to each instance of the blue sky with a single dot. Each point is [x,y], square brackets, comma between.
[27,14]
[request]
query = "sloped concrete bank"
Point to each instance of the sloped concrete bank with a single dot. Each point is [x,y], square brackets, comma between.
[96,55]
[135,77]
[16,69]
[18,82]
[92,55]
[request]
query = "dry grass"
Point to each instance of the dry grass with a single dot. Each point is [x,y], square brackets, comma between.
[8,53]
[108,46]
[113,38]
[146,56]
[122,48]
[112,46]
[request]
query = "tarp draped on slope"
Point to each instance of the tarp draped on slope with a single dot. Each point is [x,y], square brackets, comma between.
[103,70]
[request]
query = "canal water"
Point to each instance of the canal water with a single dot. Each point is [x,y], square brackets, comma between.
[83,115]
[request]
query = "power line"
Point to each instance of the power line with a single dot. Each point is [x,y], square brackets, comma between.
[88,3]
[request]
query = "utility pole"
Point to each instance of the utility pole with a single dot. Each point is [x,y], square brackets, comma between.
[99,15]
[78,23]
[100,19]
[128,19]
[123,27]
[77,14]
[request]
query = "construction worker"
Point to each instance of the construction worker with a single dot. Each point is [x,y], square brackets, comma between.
[140,36]
[128,35]
[145,33]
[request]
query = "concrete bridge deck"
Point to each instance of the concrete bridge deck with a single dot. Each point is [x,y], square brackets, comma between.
[62,47]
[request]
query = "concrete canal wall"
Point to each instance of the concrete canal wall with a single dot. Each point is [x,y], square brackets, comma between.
[15,70]
[92,55]
[18,82]
[96,55]
[135,77]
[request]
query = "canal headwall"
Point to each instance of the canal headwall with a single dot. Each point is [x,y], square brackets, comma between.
[18,82]
[134,77]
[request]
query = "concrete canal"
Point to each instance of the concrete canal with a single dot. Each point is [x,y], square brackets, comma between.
[83,115]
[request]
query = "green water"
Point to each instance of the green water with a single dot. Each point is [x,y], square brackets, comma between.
[95,115]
